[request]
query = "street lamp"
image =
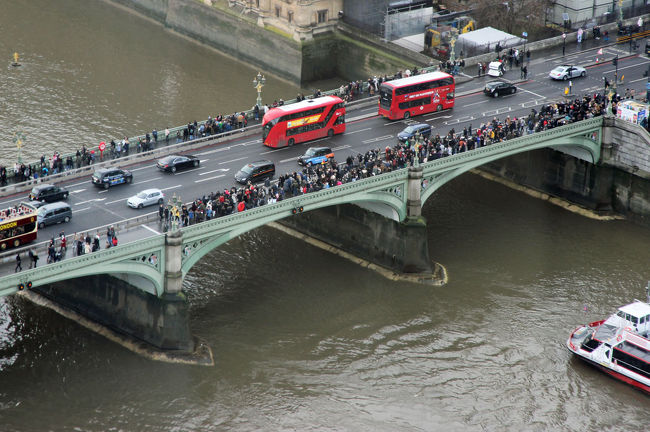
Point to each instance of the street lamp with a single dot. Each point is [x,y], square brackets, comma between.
[563,42]
[259,82]
[174,205]
[18,139]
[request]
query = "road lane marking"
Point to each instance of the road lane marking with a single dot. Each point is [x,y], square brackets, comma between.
[213,151]
[476,103]
[151,229]
[209,178]
[188,171]
[357,131]
[289,160]
[234,160]
[113,202]
[343,147]
[89,201]
[170,187]
[533,93]
[77,191]
[381,138]
[146,181]
[144,167]
[217,170]
[81,209]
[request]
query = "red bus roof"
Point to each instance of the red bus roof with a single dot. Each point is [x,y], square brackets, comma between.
[300,106]
[431,76]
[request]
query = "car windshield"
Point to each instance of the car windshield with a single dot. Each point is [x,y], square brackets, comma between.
[247,169]
[559,69]
[41,210]
[141,195]
[310,152]
[409,130]
[166,160]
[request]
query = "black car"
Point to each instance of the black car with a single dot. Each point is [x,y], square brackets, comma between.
[255,171]
[48,193]
[499,88]
[173,163]
[108,177]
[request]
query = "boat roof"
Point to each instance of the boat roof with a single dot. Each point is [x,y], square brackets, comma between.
[637,309]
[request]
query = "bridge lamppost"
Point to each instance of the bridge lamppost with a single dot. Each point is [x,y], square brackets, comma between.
[259,82]
[174,205]
[18,139]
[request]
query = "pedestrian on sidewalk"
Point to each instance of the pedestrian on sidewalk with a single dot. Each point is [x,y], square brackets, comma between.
[480,68]
[19,267]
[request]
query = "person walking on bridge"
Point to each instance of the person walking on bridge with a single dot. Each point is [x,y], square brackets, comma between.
[19,267]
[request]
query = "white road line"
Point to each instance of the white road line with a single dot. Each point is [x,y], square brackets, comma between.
[217,170]
[637,80]
[289,160]
[81,209]
[476,103]
[213,151]
[103,191]
[151,229]
[77,184]
[341,147]
[381,138]
[209,178]
[203,160]
[625,67]
[113,202]
[89,201]
[77,191]
[170,187]
[275,150]
[533,93]
[234,160]
[144,167]
[188,171]
[357,131]
[146,181]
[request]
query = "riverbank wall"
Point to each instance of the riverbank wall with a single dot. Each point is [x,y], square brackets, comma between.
[342,53]
[618,185]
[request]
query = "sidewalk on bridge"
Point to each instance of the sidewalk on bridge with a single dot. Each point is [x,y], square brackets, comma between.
[8,262]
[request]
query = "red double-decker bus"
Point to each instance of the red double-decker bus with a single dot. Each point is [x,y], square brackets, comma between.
[415,95]
[18,225]
[303,121]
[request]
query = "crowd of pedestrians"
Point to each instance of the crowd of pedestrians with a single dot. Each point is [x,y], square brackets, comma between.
[375,162]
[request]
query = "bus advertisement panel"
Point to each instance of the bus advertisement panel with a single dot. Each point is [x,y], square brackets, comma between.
[303,121]
[18,225]
[415,95]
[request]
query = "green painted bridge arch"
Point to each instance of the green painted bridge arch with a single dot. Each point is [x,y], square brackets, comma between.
[581,139]
[159,263]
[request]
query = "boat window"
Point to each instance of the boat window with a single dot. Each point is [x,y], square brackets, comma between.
[621,314]
[642,320]
[634,319]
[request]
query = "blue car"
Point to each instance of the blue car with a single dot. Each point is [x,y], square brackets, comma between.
[410,131]
[315,156]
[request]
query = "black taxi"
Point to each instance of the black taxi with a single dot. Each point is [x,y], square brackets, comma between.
[108,177]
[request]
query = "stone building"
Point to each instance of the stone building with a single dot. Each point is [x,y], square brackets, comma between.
[302,19]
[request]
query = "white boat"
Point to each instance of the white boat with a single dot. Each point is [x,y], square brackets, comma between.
[618,345]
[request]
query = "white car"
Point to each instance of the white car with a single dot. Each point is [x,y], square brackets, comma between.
[146,198]
[567,72]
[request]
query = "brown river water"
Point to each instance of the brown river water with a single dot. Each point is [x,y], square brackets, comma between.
[304,340]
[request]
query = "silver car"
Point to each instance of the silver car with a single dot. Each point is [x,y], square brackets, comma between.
[567,72]
[146,198]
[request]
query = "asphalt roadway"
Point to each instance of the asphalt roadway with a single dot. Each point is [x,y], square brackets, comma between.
[93,207]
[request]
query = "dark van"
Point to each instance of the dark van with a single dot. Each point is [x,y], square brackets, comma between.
[255,172]
[54,213]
